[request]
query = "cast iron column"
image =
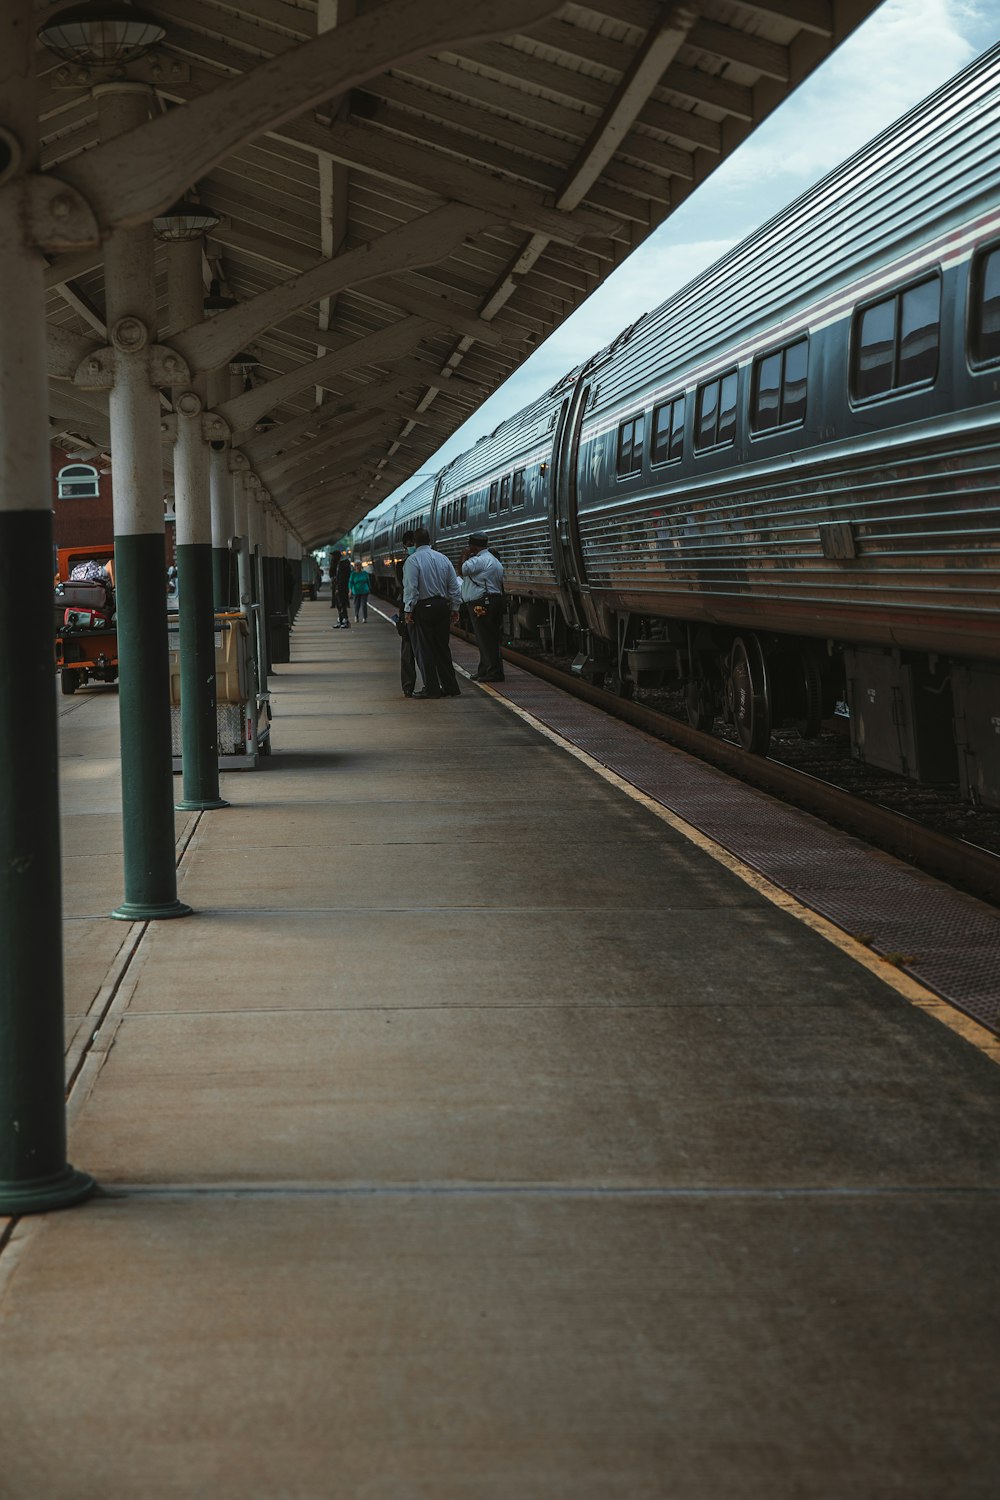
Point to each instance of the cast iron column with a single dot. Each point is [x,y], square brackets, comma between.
[192,504]
[257,590]
[221,481]
[140,569]
[34,1173]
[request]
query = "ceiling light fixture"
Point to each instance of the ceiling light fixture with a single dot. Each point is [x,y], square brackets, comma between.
[187,220]
[101,34]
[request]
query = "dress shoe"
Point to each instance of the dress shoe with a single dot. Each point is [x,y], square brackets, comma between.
[422,694]
[456,694]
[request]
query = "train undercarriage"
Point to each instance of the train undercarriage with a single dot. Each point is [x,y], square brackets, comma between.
[930,718]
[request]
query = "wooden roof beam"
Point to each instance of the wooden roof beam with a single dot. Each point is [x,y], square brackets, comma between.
[307,455]
[243,411]
[126,181]
[658,51]
[386,291]
[208,344]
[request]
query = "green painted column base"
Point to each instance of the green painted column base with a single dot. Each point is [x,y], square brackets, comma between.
[144,708]
[41,1194]
[34,1173]
[193,804]
[140,911]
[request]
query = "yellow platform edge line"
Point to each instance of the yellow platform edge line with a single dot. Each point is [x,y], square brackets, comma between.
[905,985]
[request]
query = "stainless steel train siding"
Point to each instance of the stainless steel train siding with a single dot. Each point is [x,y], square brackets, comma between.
[735,535]
[515,515]
[845,543]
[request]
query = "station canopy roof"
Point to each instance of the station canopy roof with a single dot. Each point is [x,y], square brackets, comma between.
[465,200]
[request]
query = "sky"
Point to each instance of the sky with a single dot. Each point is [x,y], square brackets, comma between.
[904,51]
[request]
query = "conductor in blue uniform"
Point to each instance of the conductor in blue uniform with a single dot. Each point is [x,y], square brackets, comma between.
[431,599]
[482,593]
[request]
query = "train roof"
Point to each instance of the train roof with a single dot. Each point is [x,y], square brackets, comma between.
[514,438]
[931,167]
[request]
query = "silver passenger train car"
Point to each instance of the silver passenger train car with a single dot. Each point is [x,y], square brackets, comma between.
[781,489]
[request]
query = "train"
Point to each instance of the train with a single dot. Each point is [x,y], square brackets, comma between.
[779,491]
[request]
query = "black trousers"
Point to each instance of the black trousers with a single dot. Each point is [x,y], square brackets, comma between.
[432,618]
[341,601]
[486,629]
[407,661]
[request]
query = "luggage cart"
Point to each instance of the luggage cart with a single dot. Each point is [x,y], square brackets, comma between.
[243,712]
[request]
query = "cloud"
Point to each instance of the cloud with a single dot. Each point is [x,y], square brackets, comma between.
[902,53]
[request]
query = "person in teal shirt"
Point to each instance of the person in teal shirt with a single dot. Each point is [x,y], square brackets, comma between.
[360,588]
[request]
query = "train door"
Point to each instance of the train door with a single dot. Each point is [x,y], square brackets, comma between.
[565,533]
[566,547]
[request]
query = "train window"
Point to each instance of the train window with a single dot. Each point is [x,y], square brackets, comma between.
[984,328]
[667,442]
[779,388]
[494,491]
[630,440]
[505,492]
[896,341]
[793,382]
[765,407]
[715,419]
[874,351]
[517,499]
[463,507]
[919,333]
[727,408]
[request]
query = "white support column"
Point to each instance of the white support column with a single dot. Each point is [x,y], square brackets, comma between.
[254,536]
[34,1173]
[144,685]
[222,488]
[192,503]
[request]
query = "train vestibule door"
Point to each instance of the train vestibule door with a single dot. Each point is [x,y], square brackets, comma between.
[567,551]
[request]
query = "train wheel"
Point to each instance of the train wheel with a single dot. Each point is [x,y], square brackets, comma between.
[749,694]
[700,703]
[69,680]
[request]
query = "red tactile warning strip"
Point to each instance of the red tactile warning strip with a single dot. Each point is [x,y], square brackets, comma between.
[946,940]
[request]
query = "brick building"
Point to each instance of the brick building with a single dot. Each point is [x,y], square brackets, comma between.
[82,502]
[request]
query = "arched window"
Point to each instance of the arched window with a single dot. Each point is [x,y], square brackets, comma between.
[78,482]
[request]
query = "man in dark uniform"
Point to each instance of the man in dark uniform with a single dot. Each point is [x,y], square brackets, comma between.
[408,659]
[341,580]
[431,598]
[482,594]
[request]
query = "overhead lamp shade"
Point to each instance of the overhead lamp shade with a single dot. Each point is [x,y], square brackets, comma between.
[100,33]
[185,221]
[243,363]
[264,424]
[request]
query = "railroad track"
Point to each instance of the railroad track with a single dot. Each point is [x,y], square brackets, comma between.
[960,863]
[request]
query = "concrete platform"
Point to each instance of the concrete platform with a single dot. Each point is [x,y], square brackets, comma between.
[482,1137]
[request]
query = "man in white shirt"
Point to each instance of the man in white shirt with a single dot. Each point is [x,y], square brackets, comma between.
[431,598]
[482,591]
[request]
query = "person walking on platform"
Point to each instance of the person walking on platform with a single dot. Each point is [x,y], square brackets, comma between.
[482,592]
[341,581]
[360,587]
[432,595]
[409,662]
